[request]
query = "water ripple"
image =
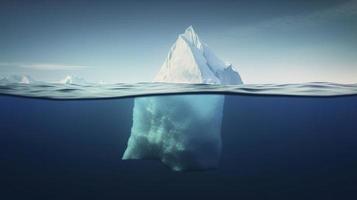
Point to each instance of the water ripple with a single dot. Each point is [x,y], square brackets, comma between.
[121,90]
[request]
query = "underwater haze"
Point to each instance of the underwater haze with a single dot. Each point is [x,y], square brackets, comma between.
[278,146]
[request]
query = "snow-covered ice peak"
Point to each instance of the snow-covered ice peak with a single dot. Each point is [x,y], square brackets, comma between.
[191,61]
[192,38]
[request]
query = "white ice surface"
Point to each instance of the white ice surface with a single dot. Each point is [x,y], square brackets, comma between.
[191,61]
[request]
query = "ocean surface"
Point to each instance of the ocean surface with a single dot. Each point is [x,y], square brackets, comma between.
[292,141]
[122,90]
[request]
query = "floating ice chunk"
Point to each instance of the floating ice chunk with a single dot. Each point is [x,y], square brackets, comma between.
[73,80]
[181,131]
[23,79]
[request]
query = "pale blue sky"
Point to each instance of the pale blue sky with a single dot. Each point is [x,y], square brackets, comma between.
[127,41]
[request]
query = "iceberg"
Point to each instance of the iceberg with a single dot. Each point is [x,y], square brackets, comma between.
[183,131]
[17,79]
[68,80]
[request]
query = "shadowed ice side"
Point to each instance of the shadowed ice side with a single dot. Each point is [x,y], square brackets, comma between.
[181,131]
[184,132]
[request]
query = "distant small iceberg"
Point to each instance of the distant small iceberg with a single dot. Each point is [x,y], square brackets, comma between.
[73,80]
[18,79]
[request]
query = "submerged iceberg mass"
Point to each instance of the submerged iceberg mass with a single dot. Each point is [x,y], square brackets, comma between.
[183,131]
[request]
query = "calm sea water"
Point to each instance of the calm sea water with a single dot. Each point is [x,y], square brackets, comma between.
[122,90]
[279,142]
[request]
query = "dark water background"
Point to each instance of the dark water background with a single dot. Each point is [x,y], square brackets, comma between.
[274,147]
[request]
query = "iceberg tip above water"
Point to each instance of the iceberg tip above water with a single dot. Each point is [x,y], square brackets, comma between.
[192,61]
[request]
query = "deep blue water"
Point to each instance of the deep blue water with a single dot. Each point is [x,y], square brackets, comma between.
[274,147]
